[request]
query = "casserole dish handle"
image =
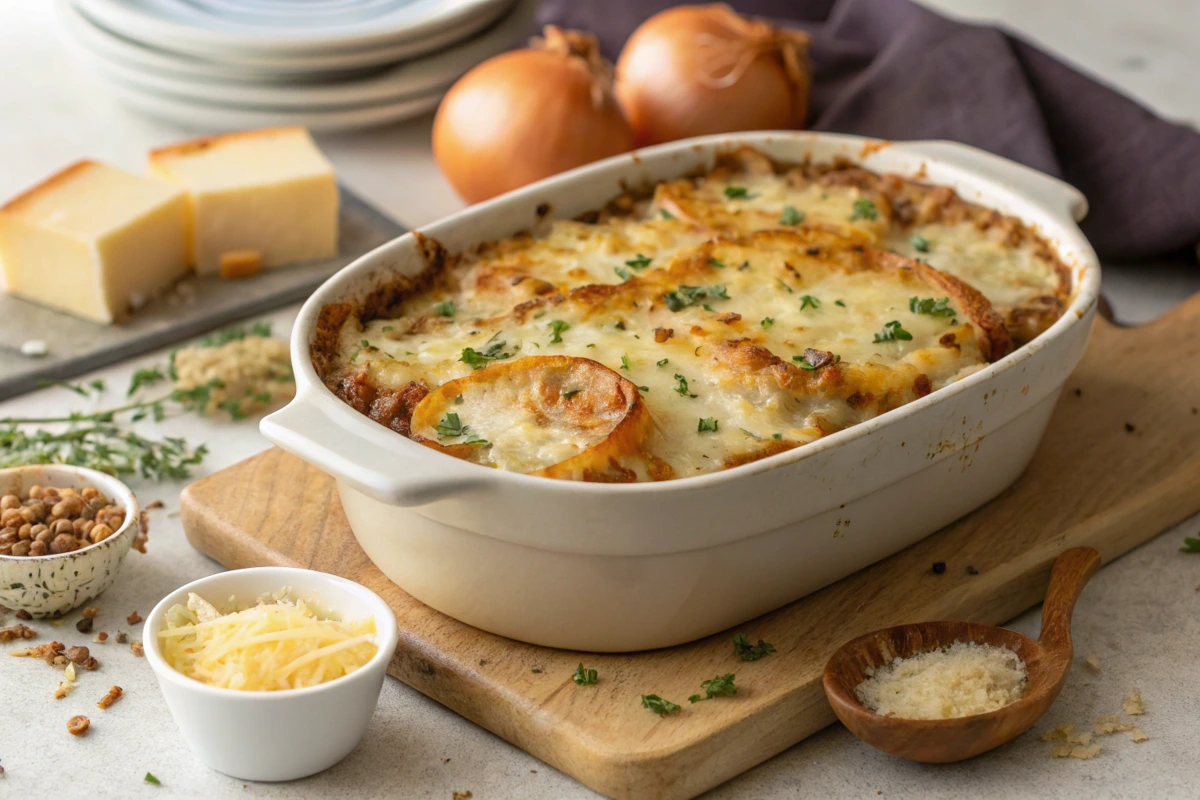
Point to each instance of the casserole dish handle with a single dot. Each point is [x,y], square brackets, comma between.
[357,457]
[1053,193]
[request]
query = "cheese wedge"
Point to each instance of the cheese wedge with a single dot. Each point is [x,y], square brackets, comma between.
[94,241]
[268,193]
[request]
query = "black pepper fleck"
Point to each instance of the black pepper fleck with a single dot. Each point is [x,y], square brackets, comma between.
[1079,392]
[1129,427]
[971,570]
[939,567]
[483,662]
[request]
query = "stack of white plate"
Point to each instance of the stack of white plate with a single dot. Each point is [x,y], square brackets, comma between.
[219,65]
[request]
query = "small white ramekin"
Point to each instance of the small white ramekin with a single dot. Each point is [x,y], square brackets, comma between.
[277,735]
[52,585]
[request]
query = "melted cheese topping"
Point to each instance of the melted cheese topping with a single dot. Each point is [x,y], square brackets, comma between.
[268,647]
[753,311]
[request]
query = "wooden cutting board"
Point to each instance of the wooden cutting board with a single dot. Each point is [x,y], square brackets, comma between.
[1119,464]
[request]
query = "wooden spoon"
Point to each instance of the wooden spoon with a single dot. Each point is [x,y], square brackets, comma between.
[1047,662]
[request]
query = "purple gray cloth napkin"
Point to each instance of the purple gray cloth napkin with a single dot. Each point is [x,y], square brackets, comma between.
[895,70]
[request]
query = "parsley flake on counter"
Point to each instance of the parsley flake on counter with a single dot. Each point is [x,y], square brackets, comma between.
[767,322]
[739,193]
[707,424]
[478,360]
[585,677]
[658,705]
[919,243]
[791,216]
[557,326]
[721,684]
[864,208]
[663,363]
[927,305]
[1191,544]
[622,273]
[625,362]
[681,386]
[151,779]
[808,301]
[641,262]
[686,296]
[893,332]
[776,435]
[751,652]
[446,308]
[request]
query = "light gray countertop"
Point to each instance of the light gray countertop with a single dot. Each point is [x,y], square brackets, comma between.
[1140,615]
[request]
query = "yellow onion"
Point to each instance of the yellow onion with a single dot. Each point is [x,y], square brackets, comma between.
[694,70]
[529,114]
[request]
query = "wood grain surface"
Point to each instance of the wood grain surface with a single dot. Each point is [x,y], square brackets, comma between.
[1119,463]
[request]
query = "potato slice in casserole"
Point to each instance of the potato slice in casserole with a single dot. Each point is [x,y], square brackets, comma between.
[555,416]
[705,325]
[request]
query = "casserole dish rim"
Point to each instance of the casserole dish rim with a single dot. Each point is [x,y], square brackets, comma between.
[1058,206]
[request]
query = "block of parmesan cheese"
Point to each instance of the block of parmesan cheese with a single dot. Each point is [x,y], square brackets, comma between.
[94,241]
[258,199]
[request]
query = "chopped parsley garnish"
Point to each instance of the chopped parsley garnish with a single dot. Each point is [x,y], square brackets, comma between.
[776,435]
[681,386]
[641,262]
[658,705]
[893,332]
[450,427]
[839,303]
[767,322]
[739,193]
[713,262]
[864,208]
[745,265]
[751,652]
[802,362]
[478,360]
[927,305]
[808,301]
[790,290]
[557,326]
[584,677]
[722,684]
[919,243]
[567,395]
[707,307]
[694,295]
[387,328]
[707,424]
[751,434]
[458,399]
[1190,545]
[151,779]
[625,362]
[593,344]
[662,212]
[446,308]
[622,273]
[663,363]
[643,388]
[791,216]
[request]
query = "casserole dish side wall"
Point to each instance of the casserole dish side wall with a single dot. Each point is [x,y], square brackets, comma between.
[687,557]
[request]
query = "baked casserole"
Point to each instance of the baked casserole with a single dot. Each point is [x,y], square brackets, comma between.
[707,323]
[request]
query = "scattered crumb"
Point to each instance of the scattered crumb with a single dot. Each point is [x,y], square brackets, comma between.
[64,689]
[1129,427]
[134,618]
[1132,705]
[100,637]
[1060,751]
[91,612]
[84,625]
[1107,724]
[1085,752]
[17,631]
[1059,733]
[122,637]
[445,760]
[1137,735]
[1083,738]
[154,504]
[463,795]
[939,567]
[137,649]
[483,662]
[34,348]
[78,725]
[114,694]
[1092,662]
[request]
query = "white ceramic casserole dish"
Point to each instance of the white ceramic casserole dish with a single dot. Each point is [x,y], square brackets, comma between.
[618,567]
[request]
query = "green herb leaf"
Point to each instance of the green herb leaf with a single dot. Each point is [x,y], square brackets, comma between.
[584,677]
[739,193]
[450,427]
[839,303]
[445,308]
[776,435]
[388,328]
[864,208]
[802,362]
[1191,544]
[791,216]
[694,295]
[751,652]
[622,273]
[808,301]
[663,362]
[939,308]
[892,332]
[767,322]
[662,212]
[707,424]
[658,705]
[478,360]
[236,334]
[567,395]
[625,362]
[151,779]
[681,386]
[557,326]
[712,262]
[919,243]
[720,685]
[790,290]
[751,434]
[641,262]
[745,265]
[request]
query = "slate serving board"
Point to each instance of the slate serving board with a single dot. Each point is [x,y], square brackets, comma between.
[76,346]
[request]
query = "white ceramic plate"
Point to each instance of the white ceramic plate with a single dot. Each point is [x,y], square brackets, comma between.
[406,80]
[207,118]
[271,27]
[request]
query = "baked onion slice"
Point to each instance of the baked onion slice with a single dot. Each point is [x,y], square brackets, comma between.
[554,416]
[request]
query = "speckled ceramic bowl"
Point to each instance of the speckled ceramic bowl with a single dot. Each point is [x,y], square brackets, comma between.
[48,586]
